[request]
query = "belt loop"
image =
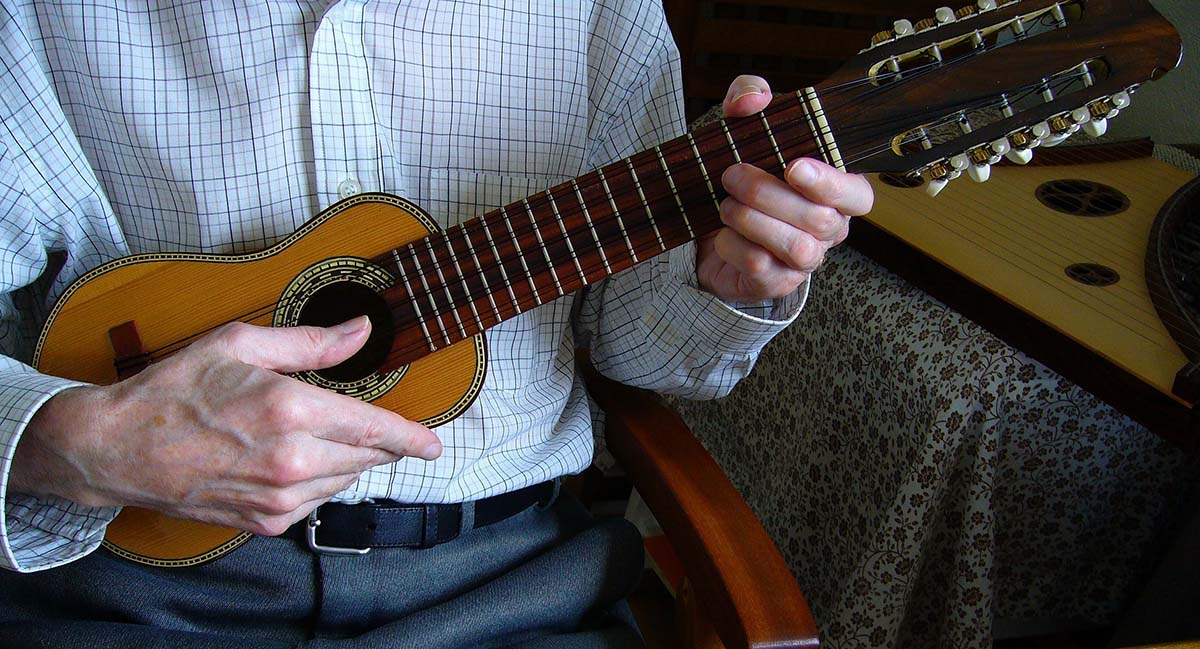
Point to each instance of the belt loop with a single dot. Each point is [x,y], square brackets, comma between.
[430,537]
[468,516]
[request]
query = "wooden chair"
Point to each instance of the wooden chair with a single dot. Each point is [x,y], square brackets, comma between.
[737,589]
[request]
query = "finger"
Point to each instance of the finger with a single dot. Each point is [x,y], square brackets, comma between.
[346,420]
[764,275]
[292,349]
[795,247]
[770,196]
[850,194]
[747,95]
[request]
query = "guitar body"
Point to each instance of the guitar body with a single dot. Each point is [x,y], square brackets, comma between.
[173,299]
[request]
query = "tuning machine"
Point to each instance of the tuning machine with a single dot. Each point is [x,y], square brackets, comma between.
[940,174]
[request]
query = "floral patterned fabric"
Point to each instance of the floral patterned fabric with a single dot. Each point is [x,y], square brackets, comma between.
[925,479]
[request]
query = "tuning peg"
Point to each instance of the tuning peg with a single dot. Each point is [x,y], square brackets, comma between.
[1019,156]
[940,175]
[1000,147]
[960,162]
[980,173]
[1040,131]
[1096,127]
[903,28]
[1056,139]
[943,15]
[986,5]
[1119,101]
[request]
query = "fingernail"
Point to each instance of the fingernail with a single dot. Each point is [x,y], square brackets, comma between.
[801,173]
[745,90]
[433,451]
[351,326]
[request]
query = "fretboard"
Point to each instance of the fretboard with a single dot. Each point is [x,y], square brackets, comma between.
[457,283]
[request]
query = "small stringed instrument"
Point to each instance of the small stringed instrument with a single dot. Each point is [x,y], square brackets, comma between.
[948,95]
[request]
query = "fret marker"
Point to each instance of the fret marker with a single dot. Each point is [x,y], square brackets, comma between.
[570,247]
[437,316]
[646,205]
[587,216]
[616,213]
[415,302]
[521,256]
[704,172]
[487,289]
[835,156]
[671,181]
[503,274]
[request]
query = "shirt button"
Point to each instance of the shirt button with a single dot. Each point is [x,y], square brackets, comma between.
[349,187]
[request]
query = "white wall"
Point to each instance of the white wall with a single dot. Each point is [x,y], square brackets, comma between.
[1168,110]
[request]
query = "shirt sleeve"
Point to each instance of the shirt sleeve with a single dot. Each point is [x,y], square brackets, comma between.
[651,326]
[50,209]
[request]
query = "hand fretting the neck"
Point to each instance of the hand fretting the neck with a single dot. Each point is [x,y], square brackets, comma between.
[457,283]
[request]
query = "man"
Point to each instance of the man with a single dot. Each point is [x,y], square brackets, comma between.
[221,129]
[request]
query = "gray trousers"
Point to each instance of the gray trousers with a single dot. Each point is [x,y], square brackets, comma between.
[549,577]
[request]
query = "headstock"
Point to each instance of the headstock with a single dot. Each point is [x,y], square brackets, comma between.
[954,93]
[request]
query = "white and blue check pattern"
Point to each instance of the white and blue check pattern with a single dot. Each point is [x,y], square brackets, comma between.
[221,127]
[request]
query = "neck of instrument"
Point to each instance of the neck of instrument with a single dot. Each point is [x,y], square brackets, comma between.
[454,284]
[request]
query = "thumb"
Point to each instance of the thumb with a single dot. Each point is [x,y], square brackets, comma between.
[747,95]
[293,349]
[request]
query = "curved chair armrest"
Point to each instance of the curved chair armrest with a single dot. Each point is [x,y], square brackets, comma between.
[732,564]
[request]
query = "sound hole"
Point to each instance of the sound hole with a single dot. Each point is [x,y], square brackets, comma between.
[1082,198]
[339,302]
[900,180]
[1093,274]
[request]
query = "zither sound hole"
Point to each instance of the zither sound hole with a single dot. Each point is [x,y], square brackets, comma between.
[339,302]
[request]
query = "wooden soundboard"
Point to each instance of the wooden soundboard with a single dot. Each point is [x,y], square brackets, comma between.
[999,255]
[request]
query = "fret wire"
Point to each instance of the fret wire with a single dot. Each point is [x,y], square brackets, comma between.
[462,278]
[503,274]
[541,243]
[414,300]
[729,138]
[771,137]
[520,255]
[704,172]
[671,181]
[646,205]
[445,288]
[587,216]
[437,316]
[563,228]
[487,288]
[616,213]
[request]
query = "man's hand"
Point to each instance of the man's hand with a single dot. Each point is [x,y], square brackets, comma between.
[216,434]
[777,232]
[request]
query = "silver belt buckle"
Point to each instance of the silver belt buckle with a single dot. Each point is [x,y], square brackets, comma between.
[311,534]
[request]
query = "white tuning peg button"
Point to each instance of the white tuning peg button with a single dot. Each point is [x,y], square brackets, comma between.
[960,162]
[1001,146]
[1019,156]
[1120,100]
[1056,139]
[986,5]
[902,28]
[980,173]
[1081,115]
[1096,127]
[935,187]
[1041,130]
[943,15]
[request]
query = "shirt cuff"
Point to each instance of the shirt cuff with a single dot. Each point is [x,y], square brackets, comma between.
[37,533]
[728,327]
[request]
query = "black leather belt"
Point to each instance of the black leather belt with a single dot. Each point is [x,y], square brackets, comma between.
[355,529]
